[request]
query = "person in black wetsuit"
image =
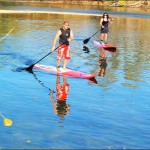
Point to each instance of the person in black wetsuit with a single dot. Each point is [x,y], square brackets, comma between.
[65,35]
[104,22]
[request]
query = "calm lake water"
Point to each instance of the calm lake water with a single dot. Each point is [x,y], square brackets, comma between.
[112,114]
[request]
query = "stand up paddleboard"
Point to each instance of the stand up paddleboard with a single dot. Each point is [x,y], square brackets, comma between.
[105,46]
[67,72]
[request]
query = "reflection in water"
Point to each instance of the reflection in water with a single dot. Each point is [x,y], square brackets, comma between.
[60,107]
[86,49]
[39,81]
[102,63]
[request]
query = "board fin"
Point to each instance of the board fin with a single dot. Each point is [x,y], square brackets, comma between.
[93,80]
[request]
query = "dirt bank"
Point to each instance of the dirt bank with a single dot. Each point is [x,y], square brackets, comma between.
[85,2]
[116,3]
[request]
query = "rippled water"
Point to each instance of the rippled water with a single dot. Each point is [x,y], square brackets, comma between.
[112,114]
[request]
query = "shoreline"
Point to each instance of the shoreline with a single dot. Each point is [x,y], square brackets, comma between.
[71,2]
[119,3]
[58,13]
[44,12]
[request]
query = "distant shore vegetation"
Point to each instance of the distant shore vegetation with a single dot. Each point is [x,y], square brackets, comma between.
[111,3]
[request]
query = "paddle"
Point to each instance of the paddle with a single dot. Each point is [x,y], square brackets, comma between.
[31,66]
[7,34]
[87,40]
[7,122]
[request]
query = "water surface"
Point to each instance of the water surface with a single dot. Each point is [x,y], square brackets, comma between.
[113,114]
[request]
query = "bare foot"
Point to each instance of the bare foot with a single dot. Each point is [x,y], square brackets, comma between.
[65,68]
[58,70]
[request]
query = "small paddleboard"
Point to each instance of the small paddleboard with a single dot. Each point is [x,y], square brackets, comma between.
[63,72]
[105,46]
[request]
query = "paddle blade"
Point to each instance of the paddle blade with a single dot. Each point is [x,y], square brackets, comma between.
[7,122]
[86,41]
[29,69]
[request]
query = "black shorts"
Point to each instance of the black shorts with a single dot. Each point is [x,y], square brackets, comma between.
[105,30]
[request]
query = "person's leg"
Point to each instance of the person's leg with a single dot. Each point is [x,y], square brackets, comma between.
[66,56]
[106,38]
[59,57]
[102,37]
[65,64]
[58,65]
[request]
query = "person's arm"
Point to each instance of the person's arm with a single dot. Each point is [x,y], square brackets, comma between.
[51,96]
[111,20]
[71,36]
[53,102]
[101,23]
[55,40]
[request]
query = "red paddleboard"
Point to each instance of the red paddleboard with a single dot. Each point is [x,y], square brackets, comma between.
[63,72]
[105,46]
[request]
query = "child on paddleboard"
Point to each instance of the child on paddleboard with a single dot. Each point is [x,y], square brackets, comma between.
[65,35]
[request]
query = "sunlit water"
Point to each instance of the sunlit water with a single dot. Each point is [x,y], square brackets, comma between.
[111,114]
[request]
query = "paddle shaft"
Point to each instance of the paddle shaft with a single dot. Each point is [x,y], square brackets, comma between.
[99,30]
[31,66]
[2,115]
[7,34]
[48,54]
[42,58]
[95,33]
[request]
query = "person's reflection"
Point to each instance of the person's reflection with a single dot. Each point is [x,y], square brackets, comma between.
[60,107]
[102,63]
